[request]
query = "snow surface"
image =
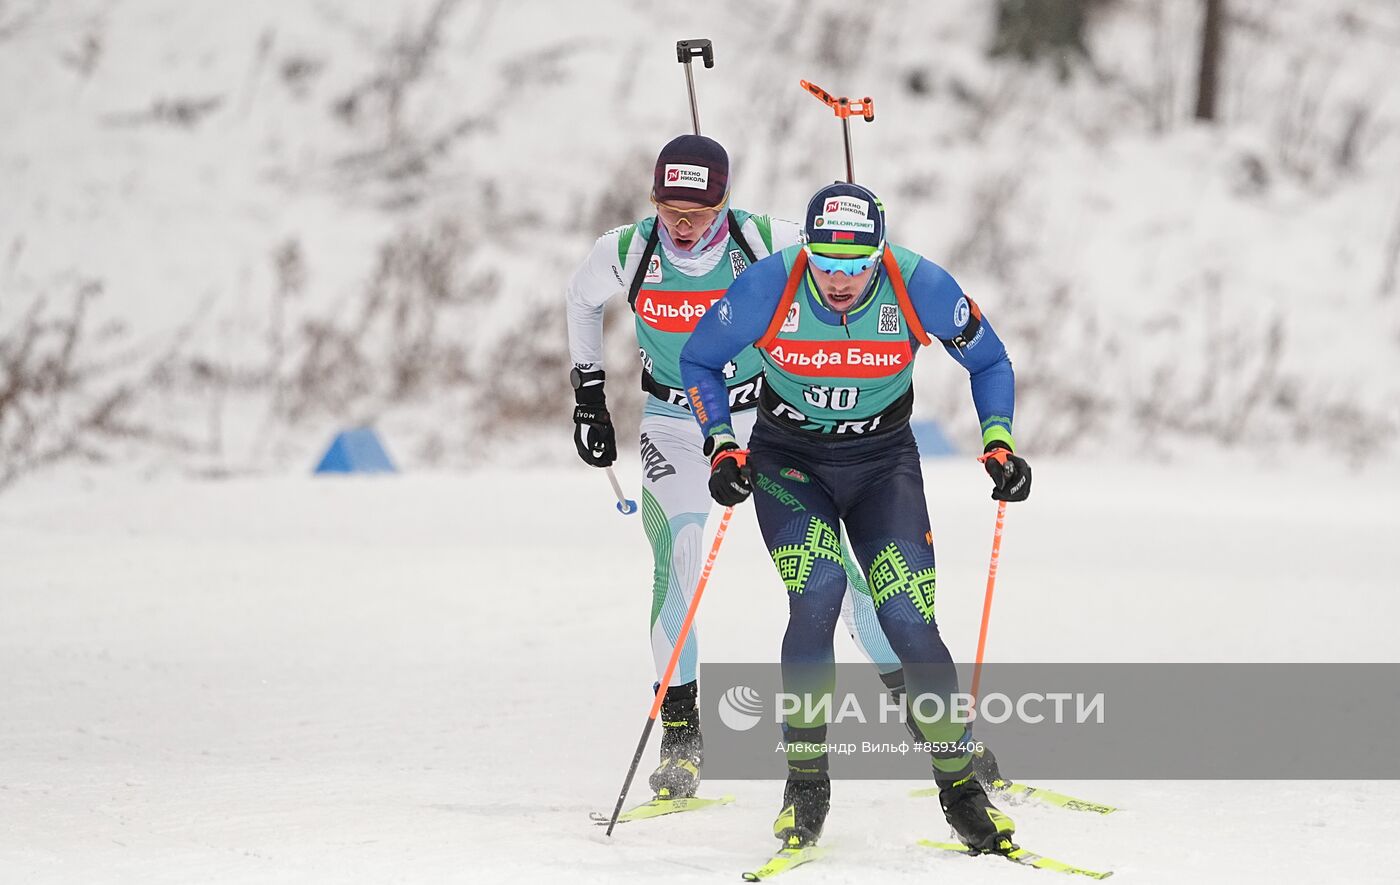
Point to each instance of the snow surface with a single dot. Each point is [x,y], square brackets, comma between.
[434,678]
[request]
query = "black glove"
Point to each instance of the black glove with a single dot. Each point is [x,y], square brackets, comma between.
[593,429]
[731,480]
[1011,475]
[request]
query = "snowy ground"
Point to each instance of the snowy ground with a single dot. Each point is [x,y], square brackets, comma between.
[435,678]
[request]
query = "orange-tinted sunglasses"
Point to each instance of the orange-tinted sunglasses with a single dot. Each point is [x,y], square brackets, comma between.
[675,214]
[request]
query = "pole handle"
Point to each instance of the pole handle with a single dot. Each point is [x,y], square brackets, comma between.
[843,107]
[821,94]
[686,50]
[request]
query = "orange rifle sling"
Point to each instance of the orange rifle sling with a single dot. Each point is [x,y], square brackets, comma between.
[905,305]
[799,267]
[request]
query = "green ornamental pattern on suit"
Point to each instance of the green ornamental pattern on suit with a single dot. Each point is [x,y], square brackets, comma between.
[890,576]
[658,530]
[795,561]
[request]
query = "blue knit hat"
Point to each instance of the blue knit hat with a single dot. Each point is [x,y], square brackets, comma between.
[845,220]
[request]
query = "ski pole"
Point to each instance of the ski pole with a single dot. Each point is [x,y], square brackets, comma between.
[625,505]
[987,601]
[671,665]
[685,51]
[844,108]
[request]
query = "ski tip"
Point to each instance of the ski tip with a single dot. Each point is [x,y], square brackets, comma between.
[784,860]
[661,807]
[1022,857]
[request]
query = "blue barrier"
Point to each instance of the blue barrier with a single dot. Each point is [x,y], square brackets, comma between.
[932,442]
[356,451]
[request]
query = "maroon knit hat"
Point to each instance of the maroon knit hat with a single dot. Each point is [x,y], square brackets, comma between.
[694,168]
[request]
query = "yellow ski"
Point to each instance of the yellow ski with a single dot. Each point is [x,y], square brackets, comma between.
[658,807]
[783,861]
[1034,794]
[1022,857]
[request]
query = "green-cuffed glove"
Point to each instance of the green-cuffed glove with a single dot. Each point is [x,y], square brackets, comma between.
[1011,475]
[731,479]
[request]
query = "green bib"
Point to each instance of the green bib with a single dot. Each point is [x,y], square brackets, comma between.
[668,306]
[849,377]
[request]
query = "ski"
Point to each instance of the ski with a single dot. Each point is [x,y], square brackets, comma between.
[1023,857]
[783,861]
[1050,797]
[659,807]
[1034,794]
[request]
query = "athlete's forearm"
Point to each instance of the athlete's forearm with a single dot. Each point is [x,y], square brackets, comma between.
[585,323]
[994,395]
[702,373]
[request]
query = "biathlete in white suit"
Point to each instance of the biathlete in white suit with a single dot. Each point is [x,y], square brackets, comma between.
[672,267]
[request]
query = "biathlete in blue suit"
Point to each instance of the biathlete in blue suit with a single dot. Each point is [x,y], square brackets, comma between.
[838,323]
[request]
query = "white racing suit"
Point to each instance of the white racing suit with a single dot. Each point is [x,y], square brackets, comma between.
[675,499]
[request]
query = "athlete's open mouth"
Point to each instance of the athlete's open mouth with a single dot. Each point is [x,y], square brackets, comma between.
[839,300]
[685,243]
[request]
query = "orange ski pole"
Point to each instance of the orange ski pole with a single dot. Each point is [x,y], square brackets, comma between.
[987,600]
[671,665]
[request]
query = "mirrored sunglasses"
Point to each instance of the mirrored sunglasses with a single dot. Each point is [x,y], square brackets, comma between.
[851,266]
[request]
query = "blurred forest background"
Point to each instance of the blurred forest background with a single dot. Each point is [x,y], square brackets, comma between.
[228,230]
